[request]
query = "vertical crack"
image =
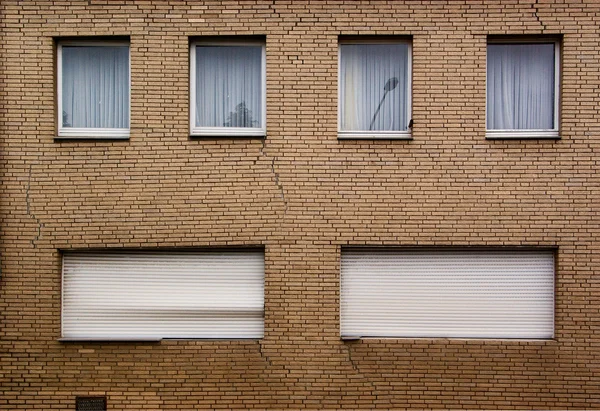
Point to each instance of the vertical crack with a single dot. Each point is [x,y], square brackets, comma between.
[262,147]
[536,11]
[350,359]
[40,225]
[264,356]
[272,8]
[278,183]
[275,174]
[27,202]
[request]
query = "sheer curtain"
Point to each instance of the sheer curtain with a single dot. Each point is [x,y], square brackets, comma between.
[364,71]
[228,86]
[95,86]
[520,86]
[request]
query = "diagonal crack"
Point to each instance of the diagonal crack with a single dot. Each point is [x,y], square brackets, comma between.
[346,347]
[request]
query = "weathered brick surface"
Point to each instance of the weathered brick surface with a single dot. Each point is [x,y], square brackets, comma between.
[303,194]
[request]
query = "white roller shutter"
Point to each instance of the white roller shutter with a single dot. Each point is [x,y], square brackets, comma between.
[143,295]
[462,294]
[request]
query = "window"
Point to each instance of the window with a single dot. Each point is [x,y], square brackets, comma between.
[447,294]
[374,89]
[522,89]
[227,88]
[93,89]
[156,295]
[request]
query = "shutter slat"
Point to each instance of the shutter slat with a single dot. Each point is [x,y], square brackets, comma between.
[461,294]
[139,295]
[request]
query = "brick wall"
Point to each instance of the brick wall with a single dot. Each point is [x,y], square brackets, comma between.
[302,194]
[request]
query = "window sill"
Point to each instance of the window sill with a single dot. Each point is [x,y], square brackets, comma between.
[374,135]
[152,339]
[522,134]
[228,132]
[350,339]
[109,340]
[93,134]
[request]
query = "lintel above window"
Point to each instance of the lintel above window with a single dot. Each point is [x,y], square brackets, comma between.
[93,88]
[227,87]
[523,88]
[374,88]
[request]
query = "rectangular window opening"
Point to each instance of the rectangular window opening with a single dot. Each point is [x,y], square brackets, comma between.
[523,88]
[505,294]
[149,296]
[375,79]
[93,89]
[228,87]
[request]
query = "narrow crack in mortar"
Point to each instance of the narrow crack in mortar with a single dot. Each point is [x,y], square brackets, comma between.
[278,182]
[40,225]
[354,365]
[264,356]
[264,154]
[536,11]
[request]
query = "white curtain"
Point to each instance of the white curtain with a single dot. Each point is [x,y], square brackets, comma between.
[520,87]
[95,86]
[228,86]
[365,71]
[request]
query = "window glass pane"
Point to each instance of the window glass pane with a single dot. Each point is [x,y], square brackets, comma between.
[228,86]
[95,86]
[374,87]
[520,86]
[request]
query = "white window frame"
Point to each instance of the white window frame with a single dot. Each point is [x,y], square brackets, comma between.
[88,132]
[552,133]
[375,134]
[228,131]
